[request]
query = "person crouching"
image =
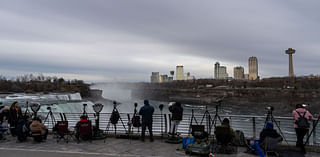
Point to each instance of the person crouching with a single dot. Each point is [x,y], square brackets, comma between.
[38,129]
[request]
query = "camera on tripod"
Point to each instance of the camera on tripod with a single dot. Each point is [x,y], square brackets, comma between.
[49,108]
[269,108]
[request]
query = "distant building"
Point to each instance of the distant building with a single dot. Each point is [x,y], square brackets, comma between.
[220,72]
[164,78]
[253,68]
[180,74]
[246,76]
[155,77]
[238,72]
[189,77]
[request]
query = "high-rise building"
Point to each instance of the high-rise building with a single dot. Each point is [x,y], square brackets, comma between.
[216,70]
[164,78]
[189,77]
[253,68]
[238,72]
[220,72]
[179,70]
[155,77]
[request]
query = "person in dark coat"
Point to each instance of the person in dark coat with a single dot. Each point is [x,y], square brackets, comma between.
[14,115]
[177,113]
[146,111]
[268,131]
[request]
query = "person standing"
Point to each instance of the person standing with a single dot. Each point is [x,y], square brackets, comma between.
[177,113]
[146,112]
[301,117]
[14,115]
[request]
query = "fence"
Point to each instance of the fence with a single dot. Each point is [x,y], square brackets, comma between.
[250,125]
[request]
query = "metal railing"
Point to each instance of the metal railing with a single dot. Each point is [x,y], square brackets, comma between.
[250,125]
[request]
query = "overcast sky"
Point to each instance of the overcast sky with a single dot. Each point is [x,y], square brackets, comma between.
[126,40]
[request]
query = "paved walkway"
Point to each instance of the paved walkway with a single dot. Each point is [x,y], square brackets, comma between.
[112,148]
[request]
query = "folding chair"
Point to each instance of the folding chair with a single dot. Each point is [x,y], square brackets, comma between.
[62,131]
[224,139]
[84,131]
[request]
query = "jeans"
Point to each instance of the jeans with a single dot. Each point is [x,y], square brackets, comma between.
[174,126]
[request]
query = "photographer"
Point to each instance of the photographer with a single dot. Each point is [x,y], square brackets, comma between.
[38,127]
[146,111]
[177,113]
[301,117]
[14,115]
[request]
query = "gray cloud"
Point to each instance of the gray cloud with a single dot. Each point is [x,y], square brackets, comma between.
[127,40]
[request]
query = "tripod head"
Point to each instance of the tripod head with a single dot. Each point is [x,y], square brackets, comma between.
[269,109]
[84,109]
[161,107]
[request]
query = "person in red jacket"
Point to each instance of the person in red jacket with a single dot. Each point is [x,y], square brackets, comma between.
[299,112]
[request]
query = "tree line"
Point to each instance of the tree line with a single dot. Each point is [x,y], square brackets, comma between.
[40,83]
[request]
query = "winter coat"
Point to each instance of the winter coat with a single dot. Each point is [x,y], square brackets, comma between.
[36,126]
[177,112]
[301,111]
[268,133]
[4,115]
[146,111]
[14,116]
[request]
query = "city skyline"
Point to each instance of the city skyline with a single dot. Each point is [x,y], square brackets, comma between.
[103,41]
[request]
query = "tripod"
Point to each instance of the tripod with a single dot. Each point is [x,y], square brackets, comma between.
[53,120]
[216,116]
[191,120]
[115,113]
[271,118]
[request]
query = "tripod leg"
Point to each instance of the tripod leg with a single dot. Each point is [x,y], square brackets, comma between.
[107,130]
[123,125]
[313,128]
[45,120]
[273,120]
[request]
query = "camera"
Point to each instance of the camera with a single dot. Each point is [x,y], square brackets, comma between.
[135,104]
[84,105]
[49,108]
[269,108]
[161,106]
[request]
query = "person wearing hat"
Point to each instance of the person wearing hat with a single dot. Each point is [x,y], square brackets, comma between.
[146,112]
[299,113]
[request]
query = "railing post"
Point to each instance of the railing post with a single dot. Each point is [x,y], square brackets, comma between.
[169,122]
[165,123]
[254,126]
[314,133]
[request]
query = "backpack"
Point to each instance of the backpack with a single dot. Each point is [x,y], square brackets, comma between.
[136,121]
[239,139]
[115,116]
[302,121]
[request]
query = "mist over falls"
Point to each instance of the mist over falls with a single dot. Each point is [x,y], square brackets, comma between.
[122,94]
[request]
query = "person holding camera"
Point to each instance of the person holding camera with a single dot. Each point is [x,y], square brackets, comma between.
[177,113]
[301,117]
[146,111]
